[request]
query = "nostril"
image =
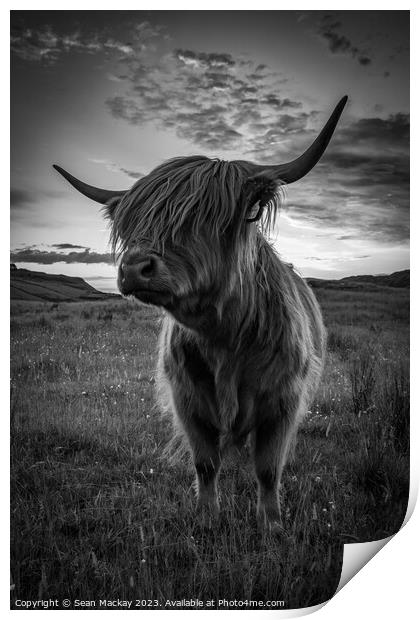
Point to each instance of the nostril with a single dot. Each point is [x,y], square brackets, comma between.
[147,268]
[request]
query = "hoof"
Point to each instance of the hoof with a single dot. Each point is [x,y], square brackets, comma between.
[271,524]
[275,528]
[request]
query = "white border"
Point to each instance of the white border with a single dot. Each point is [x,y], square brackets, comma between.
[388,584]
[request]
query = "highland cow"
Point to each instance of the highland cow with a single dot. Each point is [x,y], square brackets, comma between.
[242,342]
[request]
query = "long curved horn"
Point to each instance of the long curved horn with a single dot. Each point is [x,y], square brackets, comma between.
[94,193]
[296,169]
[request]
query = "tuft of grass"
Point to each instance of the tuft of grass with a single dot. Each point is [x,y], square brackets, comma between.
[342,342]
[363,379]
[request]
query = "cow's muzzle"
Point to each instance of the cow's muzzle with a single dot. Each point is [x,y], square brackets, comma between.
[138,275]
[141,276]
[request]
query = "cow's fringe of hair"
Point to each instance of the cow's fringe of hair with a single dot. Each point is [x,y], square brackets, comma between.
[194,194]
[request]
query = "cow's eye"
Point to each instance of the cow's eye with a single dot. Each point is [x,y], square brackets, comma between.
[255,212]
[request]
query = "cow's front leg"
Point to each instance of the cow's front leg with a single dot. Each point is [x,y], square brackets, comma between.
[271,444]
[204,442]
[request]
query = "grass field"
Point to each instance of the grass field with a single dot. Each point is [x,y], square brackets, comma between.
[97,513]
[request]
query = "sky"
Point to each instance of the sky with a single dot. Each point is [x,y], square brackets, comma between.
[109,95]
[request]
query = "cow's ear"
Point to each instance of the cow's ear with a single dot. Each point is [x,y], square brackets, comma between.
[255,212]
[258,191]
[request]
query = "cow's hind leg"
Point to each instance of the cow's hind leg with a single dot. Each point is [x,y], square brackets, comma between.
[272,439]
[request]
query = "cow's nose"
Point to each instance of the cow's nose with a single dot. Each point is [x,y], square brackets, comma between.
[136,276]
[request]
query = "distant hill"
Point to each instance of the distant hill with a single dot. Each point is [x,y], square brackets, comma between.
[398,279]
[27,285]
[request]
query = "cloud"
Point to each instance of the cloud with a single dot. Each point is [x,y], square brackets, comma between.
[360,188]
[392,131]
[213,100]
[275,102]
[46,45]
[337,259]
[112,167]
[329,30]
[68,246]
[226,104]
[203,60]
[20,197]
[44,257]
[221,104]
[132,173]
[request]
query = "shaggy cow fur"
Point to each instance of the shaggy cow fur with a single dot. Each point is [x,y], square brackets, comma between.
[242,342]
